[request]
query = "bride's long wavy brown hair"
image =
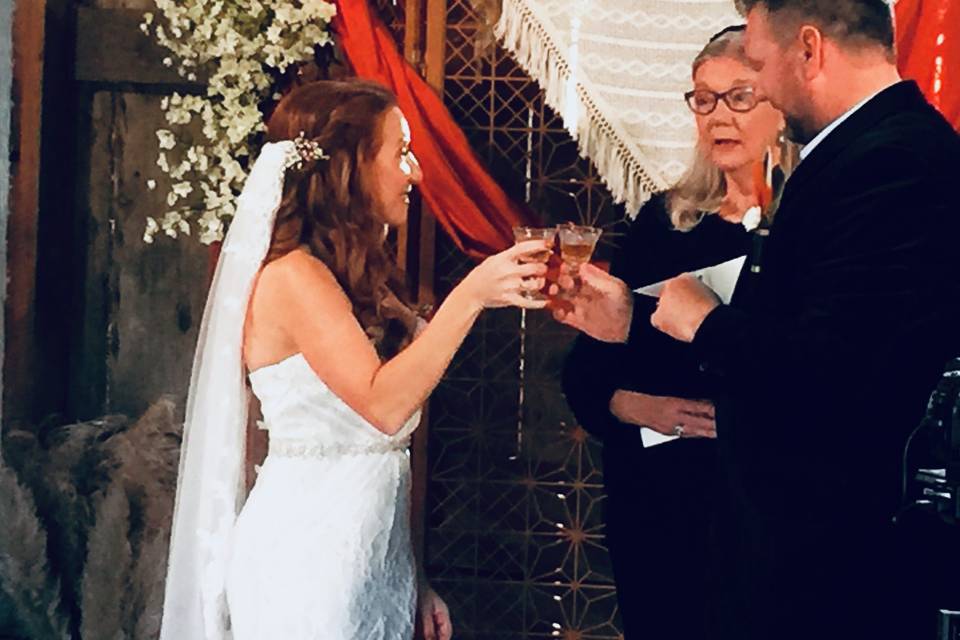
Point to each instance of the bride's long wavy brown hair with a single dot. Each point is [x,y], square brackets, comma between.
[327,204]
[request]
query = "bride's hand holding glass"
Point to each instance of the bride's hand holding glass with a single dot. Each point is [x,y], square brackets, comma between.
[502,279]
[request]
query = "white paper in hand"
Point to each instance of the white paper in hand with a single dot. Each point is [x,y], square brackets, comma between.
[722,278]
[652,438]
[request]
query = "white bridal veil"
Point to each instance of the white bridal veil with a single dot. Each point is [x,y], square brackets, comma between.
[210,484]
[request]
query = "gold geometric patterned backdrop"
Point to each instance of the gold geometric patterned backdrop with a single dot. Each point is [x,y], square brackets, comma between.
[515,540]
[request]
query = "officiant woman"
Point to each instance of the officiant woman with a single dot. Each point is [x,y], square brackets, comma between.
[659,498]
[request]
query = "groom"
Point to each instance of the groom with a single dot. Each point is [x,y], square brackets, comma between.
[835,337]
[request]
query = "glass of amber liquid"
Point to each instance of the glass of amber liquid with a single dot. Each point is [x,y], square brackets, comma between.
[548,235]
[576,246]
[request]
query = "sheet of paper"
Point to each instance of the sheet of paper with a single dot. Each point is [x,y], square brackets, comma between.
[652,290]
[652,438]
[722,278]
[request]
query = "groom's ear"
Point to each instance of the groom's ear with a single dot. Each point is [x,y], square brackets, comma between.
[811,51]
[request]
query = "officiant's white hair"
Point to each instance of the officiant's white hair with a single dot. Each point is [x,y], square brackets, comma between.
[702,188]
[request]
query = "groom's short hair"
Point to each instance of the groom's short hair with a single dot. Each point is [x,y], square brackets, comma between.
[850,22]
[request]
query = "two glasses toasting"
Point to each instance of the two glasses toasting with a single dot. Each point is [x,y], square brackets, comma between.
[577,244]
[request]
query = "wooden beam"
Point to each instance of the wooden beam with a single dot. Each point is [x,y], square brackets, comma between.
[413,16]
[435,72]
[19,359]
[435,62]
[112,50]
[413,32]
[62,231]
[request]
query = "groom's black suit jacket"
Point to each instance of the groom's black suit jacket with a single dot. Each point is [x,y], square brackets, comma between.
[825,360]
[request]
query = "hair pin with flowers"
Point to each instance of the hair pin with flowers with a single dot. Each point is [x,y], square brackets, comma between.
[305,150]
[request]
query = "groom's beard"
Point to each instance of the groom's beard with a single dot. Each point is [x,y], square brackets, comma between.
[799,129]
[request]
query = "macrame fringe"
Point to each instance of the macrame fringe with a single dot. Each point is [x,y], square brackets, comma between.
[530,44]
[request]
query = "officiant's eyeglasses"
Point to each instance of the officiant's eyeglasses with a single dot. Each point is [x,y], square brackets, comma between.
[738,99]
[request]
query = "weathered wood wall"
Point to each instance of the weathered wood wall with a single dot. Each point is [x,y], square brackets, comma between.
[143,302]
[6,80]
[99,321]
[123,315]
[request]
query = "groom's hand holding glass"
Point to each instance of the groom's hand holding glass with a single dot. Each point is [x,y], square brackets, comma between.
[593,301]
[601,305]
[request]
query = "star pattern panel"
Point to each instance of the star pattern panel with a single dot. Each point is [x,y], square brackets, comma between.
[515,536]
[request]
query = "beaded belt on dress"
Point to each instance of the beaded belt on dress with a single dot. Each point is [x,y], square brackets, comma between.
[301,449]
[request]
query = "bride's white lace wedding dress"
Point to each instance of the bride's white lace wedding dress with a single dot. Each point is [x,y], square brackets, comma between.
[321,549]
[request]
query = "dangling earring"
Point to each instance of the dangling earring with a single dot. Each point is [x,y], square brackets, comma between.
[386,229]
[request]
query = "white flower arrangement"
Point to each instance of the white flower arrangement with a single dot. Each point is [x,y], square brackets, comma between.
[241,46]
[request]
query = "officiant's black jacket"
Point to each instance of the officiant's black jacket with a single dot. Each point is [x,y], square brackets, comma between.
[824,361]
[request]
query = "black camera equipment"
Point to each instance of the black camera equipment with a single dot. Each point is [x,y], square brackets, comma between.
[932,453]
[931,499]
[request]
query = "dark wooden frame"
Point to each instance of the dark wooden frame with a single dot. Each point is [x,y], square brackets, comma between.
[418,243]
[20,366]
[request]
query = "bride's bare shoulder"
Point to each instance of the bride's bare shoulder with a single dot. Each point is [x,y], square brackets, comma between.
[301,278]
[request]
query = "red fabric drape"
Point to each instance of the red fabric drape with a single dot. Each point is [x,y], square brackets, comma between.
[466,201]
[928,50]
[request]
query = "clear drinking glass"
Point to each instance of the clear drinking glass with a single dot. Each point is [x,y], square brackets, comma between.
[577,243]
[548,235]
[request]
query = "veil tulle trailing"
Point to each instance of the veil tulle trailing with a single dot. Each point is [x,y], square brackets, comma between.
[210,484]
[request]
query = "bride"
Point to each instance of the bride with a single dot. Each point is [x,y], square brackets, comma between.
[307,304]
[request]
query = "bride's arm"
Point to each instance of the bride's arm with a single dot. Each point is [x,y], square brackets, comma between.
[318,317]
